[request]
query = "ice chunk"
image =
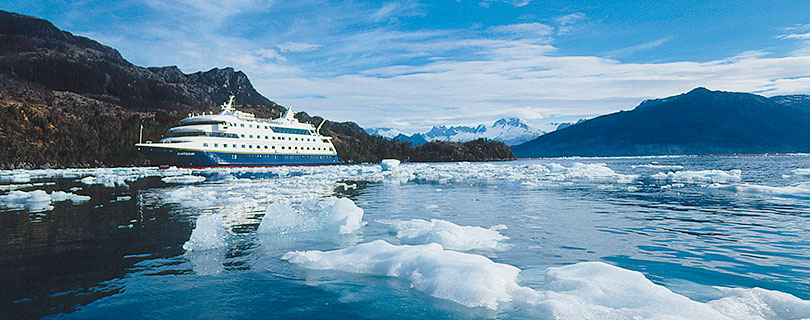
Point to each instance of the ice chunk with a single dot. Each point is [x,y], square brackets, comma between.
[701,176]
[16,178]
[800,190]
[108,180]
[23,197]
[758,303]
[185,179]
[595,290]
[207,234]
[39,200]
[805,172]
[58,196]
[332,214]
[449,235]
[468,279]
[389,164]
[594,172]
[658,166]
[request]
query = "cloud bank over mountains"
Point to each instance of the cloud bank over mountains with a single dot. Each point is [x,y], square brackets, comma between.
[398,64]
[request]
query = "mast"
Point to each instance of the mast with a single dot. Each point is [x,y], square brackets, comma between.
[140,135]
[228,106]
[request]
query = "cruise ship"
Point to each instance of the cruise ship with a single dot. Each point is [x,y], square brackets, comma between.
[232,138]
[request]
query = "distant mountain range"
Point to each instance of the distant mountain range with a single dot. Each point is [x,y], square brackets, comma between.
[68,100]
[511,131]
[699,122]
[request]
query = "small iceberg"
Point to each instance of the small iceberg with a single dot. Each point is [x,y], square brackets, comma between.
[449,235]
[468,279]
[186,179]
[39,200]
[389,164]
[207,234]
[333,215]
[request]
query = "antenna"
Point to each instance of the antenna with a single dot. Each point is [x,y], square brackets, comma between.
[318,131]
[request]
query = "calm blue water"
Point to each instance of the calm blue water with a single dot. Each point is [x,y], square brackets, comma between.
[119,257]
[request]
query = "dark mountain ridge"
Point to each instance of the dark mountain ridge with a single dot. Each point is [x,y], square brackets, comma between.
[34,50]
[67,100]
[700,122]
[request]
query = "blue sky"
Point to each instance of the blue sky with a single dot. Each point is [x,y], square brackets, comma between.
[414,64]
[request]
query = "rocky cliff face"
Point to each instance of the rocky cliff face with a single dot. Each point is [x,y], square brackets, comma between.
[35,51]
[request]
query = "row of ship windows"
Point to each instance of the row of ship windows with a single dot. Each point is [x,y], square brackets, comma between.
[275,129]
[250,136]
[250,146]
[233,135]
[268,156]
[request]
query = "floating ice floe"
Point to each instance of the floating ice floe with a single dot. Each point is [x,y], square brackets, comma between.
[700,176]
[804,172]
[389,164]
[449,235]
[107,180]
[468,279]
[57,196]
[658,166]
[799,190]
[208,234]
[595,290]
[334,215]
[16,178]
[185,179]
[39,200]
[593,172]
[585,290]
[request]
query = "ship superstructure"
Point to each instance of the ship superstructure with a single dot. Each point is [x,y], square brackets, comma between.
[235,138]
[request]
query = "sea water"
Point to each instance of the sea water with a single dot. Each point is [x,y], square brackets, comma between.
[648,237]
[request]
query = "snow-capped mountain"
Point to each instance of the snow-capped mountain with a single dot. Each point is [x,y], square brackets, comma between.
[388,133]
[511,131]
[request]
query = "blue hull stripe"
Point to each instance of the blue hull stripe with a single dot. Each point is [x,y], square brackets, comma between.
[197,158]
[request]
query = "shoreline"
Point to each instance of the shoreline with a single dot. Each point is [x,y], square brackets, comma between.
[489,160]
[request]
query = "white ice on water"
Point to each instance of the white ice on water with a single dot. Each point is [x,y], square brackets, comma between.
[449,235]
[585,290]
[39,200]
[184,179]
[798,190]
[595,290]
[700,176]
[659,166]
[468,279]
[802,172]
[389,164]
[333,215]
[13,177]
[208,234]
[57,196]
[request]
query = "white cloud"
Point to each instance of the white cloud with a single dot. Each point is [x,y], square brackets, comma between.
[566,23]
[796,36]
[297,47]
[516,3]
[570,19]
[639,47]
[270,54]
[802,38]
[335,60]
[521,30]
